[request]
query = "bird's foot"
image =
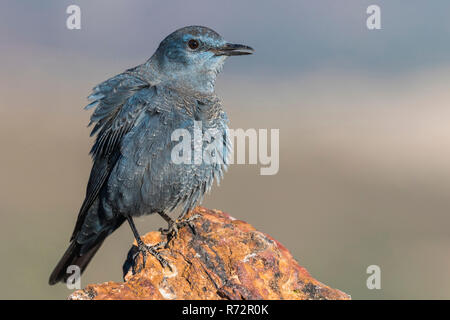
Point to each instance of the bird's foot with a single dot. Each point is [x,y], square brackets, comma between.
[174,227]
[152,250]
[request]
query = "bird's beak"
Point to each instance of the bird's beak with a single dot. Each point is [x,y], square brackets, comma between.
[231,49]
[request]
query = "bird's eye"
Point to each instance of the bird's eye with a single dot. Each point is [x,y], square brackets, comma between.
[193,44]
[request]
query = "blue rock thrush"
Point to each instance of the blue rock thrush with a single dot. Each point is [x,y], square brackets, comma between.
[136,112]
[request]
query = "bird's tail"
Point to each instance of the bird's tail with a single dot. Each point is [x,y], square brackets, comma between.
[73,256]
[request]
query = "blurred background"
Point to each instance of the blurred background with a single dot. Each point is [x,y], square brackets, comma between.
[363,115]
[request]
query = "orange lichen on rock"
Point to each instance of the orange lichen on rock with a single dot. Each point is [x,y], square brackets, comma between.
[224,259]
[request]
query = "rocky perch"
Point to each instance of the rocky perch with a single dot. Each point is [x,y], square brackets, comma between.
[225,258]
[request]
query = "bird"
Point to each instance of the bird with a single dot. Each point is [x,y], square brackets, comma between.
[135,113]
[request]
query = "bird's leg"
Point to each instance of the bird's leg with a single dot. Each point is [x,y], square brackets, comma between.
[169,221]
[175,225]
[147,249]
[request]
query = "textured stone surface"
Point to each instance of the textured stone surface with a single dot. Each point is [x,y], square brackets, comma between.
[225,259]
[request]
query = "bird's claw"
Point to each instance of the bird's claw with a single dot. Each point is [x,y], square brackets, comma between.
[150,249]
[174,227]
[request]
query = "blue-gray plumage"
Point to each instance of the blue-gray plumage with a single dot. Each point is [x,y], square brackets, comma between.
[134,117]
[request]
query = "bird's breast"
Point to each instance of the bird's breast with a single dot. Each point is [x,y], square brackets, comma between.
[169,161]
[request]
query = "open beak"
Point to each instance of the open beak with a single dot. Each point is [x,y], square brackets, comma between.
[231,49]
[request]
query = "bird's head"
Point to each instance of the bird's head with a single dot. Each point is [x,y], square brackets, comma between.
[191,58]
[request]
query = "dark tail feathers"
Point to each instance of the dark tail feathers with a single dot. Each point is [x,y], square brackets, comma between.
[72,257]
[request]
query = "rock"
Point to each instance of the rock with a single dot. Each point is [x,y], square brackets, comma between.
[225,259]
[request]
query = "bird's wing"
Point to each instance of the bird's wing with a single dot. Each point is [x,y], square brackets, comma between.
[118,102]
